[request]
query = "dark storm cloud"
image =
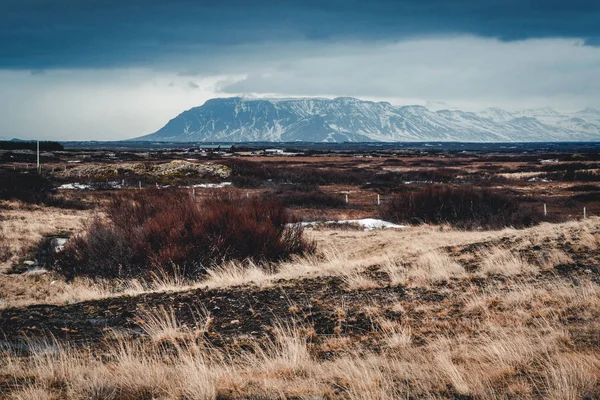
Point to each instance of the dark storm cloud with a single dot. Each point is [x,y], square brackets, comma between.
[38,34]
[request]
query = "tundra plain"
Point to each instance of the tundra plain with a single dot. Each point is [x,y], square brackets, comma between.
[456,304]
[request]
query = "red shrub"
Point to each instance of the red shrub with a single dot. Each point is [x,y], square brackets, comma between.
[150,230]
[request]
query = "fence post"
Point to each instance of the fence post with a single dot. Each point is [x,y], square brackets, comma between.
[139,185]
[545,211]
[346,198]
[584,213]
[378,199]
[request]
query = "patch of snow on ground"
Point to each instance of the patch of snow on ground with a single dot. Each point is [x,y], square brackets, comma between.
[211,185]
[74,186]
[367,224]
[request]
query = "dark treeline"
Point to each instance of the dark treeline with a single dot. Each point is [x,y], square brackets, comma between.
[44,146]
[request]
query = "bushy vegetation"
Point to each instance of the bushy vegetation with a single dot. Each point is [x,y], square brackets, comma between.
[310,196]
[33,188]
[573,175]
[153,230]
[464,207]
[254,174]
[585,188]
[29,187]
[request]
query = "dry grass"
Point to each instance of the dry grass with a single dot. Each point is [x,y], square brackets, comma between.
[505,328]
[359,281]
[162,325]
[521,363]
[501,261]
[415,256]
[395,335]
[22,228]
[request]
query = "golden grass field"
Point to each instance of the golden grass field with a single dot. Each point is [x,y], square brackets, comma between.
[425,312]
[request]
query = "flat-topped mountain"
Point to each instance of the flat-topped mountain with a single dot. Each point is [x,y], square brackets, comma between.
[346,119]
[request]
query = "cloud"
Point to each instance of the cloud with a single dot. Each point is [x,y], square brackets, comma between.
[44,34]
[464,71]
[108,104]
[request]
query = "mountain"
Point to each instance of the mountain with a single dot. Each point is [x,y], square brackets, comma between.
[346,119]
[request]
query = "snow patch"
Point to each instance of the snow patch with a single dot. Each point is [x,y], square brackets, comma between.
[367,224]
[74,186]
[211,185]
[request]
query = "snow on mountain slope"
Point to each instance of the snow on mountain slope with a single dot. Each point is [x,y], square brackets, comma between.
[342,119]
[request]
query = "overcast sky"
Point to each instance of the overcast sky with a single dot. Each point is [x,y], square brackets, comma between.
[116,69]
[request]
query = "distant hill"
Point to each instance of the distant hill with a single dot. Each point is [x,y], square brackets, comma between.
[346,119]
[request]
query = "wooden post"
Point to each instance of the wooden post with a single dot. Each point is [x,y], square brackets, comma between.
[346,198]
[545,211]
[584,213]
[378,199]
[140,185]
[38,157]
[193,193]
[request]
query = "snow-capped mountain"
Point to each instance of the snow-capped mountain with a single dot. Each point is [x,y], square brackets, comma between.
[346,119]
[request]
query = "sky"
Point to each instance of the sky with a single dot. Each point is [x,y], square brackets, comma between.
[117,69]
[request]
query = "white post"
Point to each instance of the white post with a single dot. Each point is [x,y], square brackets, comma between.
[584,213]
[194,193]
[140,185]
[545,211]
[378,200]
[38,156]
[346,198]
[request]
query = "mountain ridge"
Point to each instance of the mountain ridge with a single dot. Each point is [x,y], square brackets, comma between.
[348,119]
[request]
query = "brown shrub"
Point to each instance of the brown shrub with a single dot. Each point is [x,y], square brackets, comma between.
[464,207]
[152,230]
[256,174]
[306,196]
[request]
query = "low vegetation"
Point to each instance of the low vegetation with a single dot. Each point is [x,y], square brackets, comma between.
[33,188]
[463,207]
[413,322]
[213,294]
[310,196]
[154,230]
